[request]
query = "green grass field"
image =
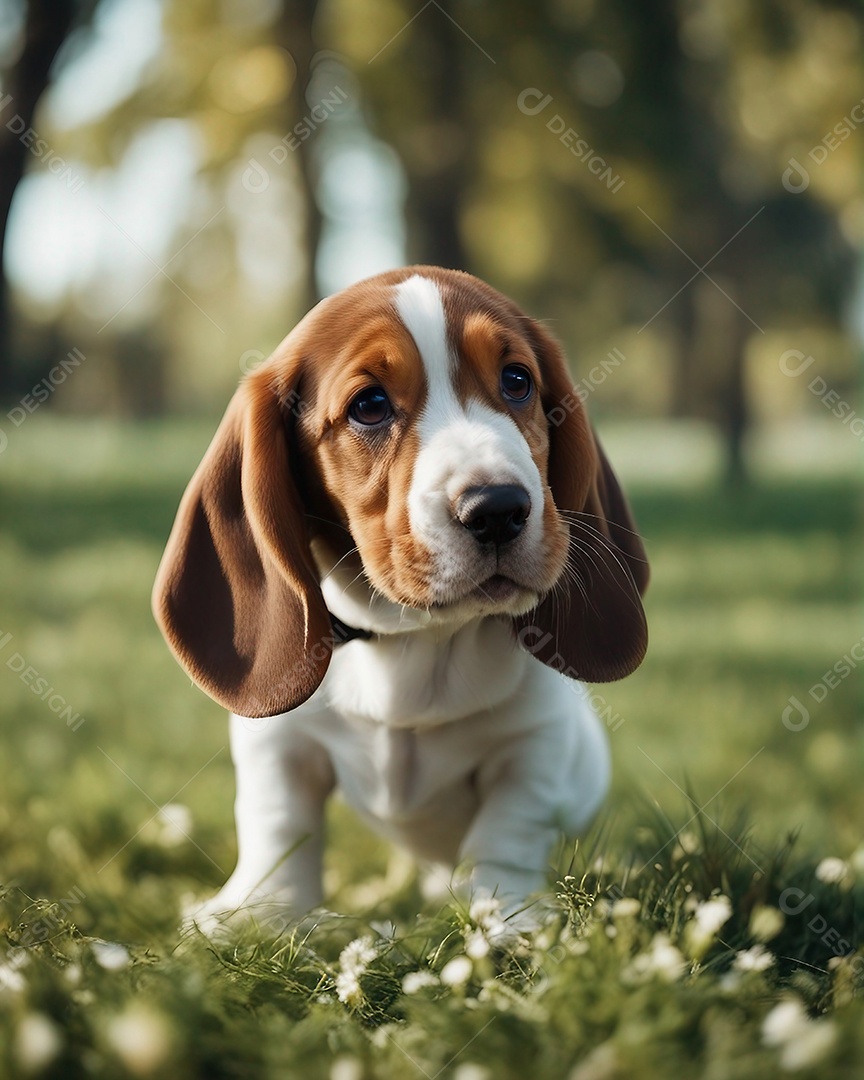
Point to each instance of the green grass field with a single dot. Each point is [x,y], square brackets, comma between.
[640,972]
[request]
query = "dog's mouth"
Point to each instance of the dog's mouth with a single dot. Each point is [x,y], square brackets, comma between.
[497,588]
[497,591]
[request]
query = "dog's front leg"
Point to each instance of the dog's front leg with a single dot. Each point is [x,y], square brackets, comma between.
[283,780]
[530,790]
[508,846]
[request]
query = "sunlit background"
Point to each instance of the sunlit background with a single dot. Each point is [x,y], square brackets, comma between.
[185,227]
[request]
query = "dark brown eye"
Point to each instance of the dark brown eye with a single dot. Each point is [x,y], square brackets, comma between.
[370,407]
[516,383]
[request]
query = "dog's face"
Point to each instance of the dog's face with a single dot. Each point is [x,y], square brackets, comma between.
[427,438]
[416,437]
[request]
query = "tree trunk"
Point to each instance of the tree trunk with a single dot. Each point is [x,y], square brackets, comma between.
[294,33]
[438,168]
[46,26]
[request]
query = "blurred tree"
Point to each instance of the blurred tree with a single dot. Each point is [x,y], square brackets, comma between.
[635,200]
[667,95]
[45,26]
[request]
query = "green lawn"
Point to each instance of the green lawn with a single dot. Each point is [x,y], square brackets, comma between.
[752,601]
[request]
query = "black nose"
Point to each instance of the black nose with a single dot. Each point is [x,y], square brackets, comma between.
[494,514]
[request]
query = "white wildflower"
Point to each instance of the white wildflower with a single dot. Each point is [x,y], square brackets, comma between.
[485,912]
[476,944]
[832,870]
[141,1038]
[358,954]
[457,971]
[756,958]
[353,961]
[811,1046]
[803,1042]
[175,822]
[348,988]
[783,1022]
[708,918]
[766,922]
[628,907]
[109,954]
[37,1042]
[711,915]
[416,980]
[346,1068]
[11,980]
[662,960]
[470,1070]
[72,974]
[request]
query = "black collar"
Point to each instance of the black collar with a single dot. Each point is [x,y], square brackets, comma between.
[343,633]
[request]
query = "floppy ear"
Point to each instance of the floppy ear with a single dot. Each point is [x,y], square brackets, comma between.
[237,594]
[592,625]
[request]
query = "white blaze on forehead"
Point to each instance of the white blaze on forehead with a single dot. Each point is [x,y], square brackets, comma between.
[418,301]
[461,445]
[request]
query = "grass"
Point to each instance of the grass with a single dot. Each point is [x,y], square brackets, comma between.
[751,603]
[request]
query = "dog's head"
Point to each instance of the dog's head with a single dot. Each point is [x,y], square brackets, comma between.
[413,453]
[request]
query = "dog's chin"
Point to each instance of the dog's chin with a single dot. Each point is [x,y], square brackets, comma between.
[497,595]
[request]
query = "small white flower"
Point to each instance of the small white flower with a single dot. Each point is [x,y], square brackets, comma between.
[469,1070]
[756,958]
[708,918]
[109,954]
[809,1047]
[832,870]
[628,907]
[476,944]
[803,1042]
[141,1038]
[175,820]
[689,842]
[353,961]
[11,981]
[783,1022]
[662,960]
[37,1042]
[766,922]
[346,1068]
[348,988]
[416,980]
[485,913]
[711,915]
[72,974]
[358,954]
[457,971]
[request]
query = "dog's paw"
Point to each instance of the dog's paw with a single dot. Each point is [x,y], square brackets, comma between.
[228,913]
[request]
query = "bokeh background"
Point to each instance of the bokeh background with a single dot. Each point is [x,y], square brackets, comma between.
[673,187]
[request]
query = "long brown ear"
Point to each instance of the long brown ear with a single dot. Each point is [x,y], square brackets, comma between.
[592,625]
[237,595]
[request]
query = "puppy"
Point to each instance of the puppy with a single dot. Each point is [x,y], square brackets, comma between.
[402,547]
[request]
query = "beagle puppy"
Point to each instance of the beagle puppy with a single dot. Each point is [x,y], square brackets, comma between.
[402,547]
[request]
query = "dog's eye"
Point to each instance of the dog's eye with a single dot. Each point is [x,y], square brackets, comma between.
[371,406]
[516,384]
